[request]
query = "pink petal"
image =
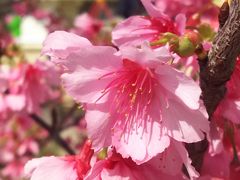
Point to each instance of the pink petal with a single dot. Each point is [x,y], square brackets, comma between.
[146,56]
[60,44]
[51,168]
[98,125]
[95,172]
[117,168]
[215,139]
[84,71]
[122,172]
[184,124]
[169,161]
[181,23]
[152,9]
[133,31]
[16,102]
[186,160]
[179,85]
[149,141]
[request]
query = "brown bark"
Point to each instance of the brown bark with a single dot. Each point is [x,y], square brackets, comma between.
[216,69]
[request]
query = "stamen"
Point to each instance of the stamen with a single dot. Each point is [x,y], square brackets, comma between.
[132,89]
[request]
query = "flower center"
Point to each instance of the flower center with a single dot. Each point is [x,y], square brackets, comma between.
[132,91]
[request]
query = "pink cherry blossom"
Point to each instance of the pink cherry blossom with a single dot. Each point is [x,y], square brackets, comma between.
[30,86]
[173,7]
[167,165]
[26,87]
[55,168]
[28,145]
[60,168]
[132,98]
[137,29]
[116,167]
[14,169]
[87,26]
[206,10]
[17,145]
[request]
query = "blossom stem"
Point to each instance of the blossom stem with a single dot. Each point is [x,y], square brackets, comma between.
[54,135]
[72,117]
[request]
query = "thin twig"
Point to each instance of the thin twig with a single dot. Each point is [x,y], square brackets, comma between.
[54,135]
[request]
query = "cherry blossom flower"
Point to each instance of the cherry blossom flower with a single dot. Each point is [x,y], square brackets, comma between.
[14,169]
[30,85]
[87,26]
[28,145]
[173,7]
[60,168]
[133,99]
[17,145]
[167,165]
[137,29]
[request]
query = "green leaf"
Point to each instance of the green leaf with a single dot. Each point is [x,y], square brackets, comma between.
[14,26]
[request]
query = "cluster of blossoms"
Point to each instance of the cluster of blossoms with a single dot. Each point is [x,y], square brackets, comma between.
[20,137]
[27,90]
[140,108]
[140,95]
[18,99]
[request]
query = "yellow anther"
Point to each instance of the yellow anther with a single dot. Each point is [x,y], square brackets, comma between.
[134,98]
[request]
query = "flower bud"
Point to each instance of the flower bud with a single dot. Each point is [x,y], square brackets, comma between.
[186,44]
[194,37]
[185,47]
[206,31]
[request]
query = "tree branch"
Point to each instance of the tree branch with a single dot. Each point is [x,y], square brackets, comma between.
[54,135]
[217,69]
